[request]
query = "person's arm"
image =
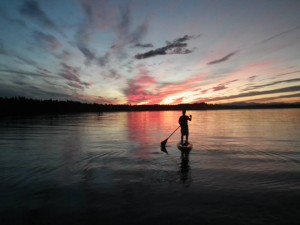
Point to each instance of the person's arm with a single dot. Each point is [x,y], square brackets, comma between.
[190,118]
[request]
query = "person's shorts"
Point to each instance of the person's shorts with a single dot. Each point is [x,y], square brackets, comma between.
[184,130]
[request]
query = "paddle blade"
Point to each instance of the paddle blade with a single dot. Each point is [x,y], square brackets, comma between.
[163,143]
[163,149]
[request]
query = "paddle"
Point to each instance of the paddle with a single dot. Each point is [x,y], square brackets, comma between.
[163,143]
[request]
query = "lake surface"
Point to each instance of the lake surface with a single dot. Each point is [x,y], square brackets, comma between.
[109,168]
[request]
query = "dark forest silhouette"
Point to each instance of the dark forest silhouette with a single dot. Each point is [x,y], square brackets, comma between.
[22,105]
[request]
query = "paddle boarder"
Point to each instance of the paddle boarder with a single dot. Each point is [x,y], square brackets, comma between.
[183,121]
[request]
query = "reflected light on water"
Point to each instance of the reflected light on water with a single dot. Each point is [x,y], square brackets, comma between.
[151,127]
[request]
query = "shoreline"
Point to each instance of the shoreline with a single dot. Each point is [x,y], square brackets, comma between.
[21,105]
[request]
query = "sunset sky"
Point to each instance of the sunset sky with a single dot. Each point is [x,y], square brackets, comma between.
[151,52]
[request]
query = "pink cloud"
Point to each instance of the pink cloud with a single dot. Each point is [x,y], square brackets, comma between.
[139,88]
[146,89]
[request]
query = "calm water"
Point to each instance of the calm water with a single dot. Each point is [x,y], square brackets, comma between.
[109,169]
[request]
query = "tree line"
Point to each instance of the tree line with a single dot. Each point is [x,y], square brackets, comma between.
[22,105]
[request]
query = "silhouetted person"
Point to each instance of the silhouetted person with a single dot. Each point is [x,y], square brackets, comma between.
[183,121]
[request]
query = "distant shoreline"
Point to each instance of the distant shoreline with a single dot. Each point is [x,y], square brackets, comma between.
[21,105]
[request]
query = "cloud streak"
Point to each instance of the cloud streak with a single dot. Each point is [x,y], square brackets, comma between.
[223,86]
[99,15]
[26,73]
[255,93]
[47,41]
[72,76]
[274,83]
[281,34]
[32,10]
[139,45]
[223,59]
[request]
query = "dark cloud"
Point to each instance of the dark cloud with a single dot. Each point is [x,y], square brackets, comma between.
[152,53]
[223,86]
[183,39]
[281,34]
[223,59]
[139,45]
[47,41]
[32,10]
[175,47]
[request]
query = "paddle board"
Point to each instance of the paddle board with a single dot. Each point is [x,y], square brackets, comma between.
[185,147]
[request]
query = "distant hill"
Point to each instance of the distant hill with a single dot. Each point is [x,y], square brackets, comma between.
[22,105]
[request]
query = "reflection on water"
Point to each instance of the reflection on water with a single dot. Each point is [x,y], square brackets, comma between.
[185,170]
[110,168]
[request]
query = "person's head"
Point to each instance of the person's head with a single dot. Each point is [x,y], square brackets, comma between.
[183,112]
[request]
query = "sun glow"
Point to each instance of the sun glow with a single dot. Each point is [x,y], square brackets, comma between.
[167,101]
[143,103]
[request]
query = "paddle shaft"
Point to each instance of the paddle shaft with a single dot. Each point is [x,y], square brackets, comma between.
[173,132]
[163,143]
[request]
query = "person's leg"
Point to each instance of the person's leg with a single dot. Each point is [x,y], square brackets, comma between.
[187,136]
